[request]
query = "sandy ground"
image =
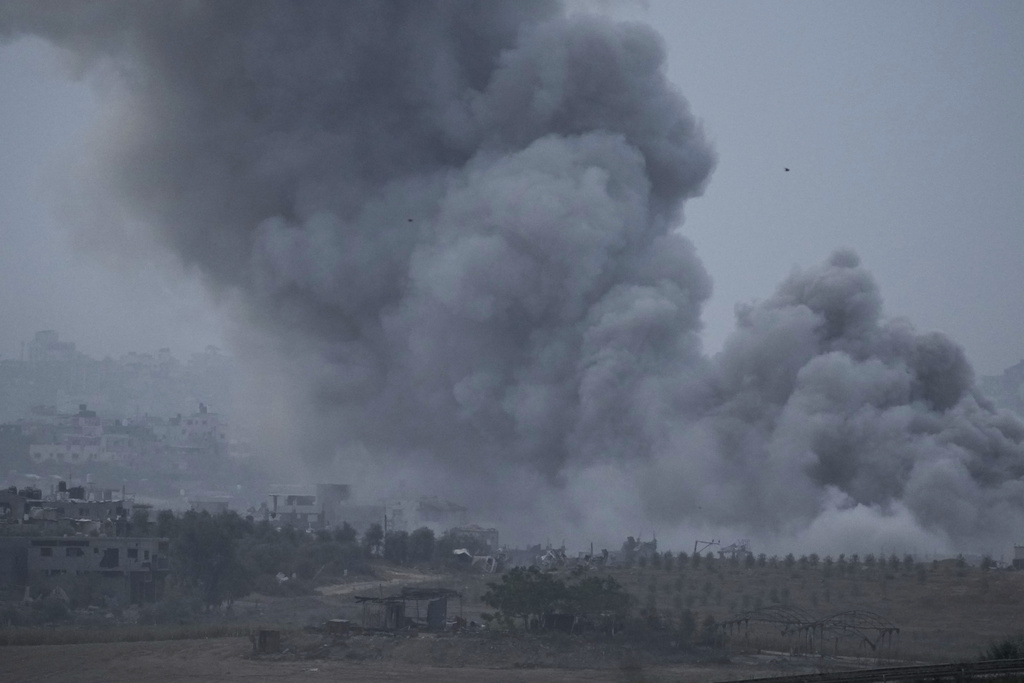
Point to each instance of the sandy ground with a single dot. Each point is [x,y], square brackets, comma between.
[228,659]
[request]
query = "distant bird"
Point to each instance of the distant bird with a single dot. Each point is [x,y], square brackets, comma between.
[787,170]
[410,220]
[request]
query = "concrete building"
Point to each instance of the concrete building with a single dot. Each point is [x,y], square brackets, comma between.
[46,347]
[486,535]
[309,507]
[132,570]
[202,427]
[14,508]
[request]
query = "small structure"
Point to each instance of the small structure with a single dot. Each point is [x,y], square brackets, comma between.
[266,641]
[1018,555]
[213,504]
[740,550]
[392,613]
[485,535]
[309,507]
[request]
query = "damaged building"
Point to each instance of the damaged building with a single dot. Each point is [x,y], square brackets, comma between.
[411,608]
[130,570]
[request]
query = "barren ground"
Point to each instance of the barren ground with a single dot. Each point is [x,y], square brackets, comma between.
[944,612]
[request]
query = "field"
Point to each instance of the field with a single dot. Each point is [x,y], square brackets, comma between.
[944,612]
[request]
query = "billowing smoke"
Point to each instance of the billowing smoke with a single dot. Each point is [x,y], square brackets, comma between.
[455,228]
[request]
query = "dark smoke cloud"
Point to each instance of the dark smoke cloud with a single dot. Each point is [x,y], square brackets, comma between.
[819,408]
[458,223]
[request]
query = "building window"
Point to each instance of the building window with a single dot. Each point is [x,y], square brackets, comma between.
[110,558]
[46,552]
[145,554]
[74,552]
[133,553]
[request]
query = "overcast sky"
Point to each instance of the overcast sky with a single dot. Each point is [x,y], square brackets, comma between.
[902,124]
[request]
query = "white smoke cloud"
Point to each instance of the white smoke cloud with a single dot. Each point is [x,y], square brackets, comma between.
[454,230]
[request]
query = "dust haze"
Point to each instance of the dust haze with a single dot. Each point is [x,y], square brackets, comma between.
[452,239]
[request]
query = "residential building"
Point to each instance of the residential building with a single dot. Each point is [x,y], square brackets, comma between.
[132,570]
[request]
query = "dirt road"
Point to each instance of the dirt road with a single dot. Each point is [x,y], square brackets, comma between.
[394,579]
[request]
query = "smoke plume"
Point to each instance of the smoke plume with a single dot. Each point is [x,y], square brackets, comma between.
[455,229]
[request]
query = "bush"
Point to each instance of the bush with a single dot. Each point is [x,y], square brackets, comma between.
[1010,648]
[529,594]
[421,545]
[709,633]
[53,609]
[668,561]
[170,611]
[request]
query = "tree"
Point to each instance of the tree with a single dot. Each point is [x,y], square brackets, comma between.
[421,545]
[373,539]
[709,634]
[140,521]
[687,626]
[206,560]
[525,594]
[529,594]
[345,533]
[166,524]
[396,547]
[595,595]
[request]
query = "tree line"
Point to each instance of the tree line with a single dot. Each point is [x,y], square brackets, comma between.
[220,558]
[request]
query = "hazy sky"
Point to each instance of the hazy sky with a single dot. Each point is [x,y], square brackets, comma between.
[902,124]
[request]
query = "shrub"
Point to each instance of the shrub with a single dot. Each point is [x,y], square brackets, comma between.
[1010,648]
[687,626]
[421,545]
[709,634]
[53,609]
[171,611]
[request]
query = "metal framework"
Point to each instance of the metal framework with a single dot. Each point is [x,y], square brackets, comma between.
[867,629]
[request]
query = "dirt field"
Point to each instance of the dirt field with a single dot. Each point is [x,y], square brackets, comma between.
[944,612]
[228,659]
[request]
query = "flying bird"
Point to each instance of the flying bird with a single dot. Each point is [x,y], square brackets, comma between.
[787,170]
